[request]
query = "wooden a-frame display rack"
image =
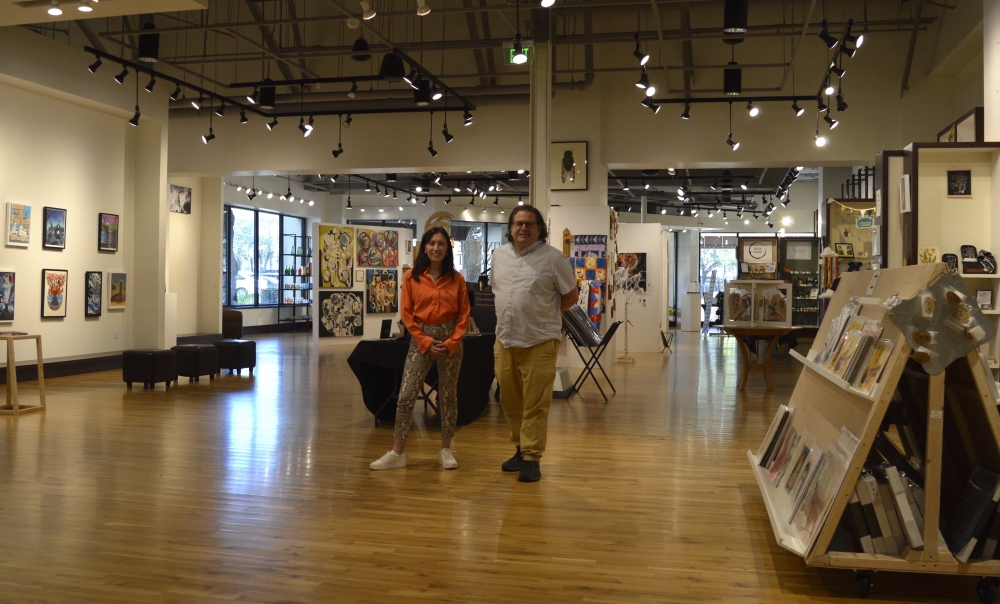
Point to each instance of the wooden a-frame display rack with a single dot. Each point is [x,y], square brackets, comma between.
[965,419]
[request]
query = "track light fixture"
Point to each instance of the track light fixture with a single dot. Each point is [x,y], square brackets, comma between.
[85,6]
[207,138]
[472,201]
[824,35]
[431,150]
[436,94]
[837,71]
[680,211]
[151,84]
[729,141]
[347,122]
[270,125]
[95,65]
[820,106]
[645,185]
[135,118]
[752,110]
[243,116]
[306,130]
[650,90]
[734,145]
[422,94]
[422,8]
[745,185]
[715,185]
[447,201]
[829,120]
[687,113]
[121,76]
[252,97]
[353,91]
[625,186]
[413,78]
[820,140]
[548,3]
[829,90]
[221,111]
[841,105]
[340,149]
[798,110]
[643,79]
[197,103]
[647,102]
[367,13]
[467,116]
[176,94]
[54,9]
[637,53]
[496,200]
[520,201]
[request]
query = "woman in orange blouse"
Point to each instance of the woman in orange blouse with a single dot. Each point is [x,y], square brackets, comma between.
[435,311]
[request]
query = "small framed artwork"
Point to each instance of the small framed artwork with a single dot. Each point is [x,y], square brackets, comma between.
[359,275]
[904,194]
[93,293]
[117,290]
[568,166]
[959,183]
[180,199]
[984,298]
[845,250]
[107,232]
[951,260]
[18,231]
[928,255]
[409,246]
[745,267]
[54,228]
[948,135]
[54,293]
[6,296]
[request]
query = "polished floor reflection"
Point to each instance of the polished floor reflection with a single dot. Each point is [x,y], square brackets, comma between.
[258,490]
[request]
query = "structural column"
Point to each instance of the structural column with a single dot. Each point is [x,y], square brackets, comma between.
[541,110]
[148,277]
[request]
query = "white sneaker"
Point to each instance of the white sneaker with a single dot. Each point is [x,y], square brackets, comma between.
[389,461]
[448,460]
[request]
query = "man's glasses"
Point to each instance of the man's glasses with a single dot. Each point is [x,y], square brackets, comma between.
[525,225]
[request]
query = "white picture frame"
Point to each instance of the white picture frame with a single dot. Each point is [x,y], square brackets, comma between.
[905,203]
[17,227]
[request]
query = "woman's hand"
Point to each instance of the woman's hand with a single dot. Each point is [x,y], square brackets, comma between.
[438,349]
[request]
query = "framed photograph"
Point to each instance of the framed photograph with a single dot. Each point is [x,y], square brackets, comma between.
[93,293]
[18,224]
[54,228]
[845,250]
[107,232]
[984,298]
[904,194]
[359,275]
[959,183]
[928,255]
[117,290]
[54,293]
[180,199]
[6,296]
[568,166]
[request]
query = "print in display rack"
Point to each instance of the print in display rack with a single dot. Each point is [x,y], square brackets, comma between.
[838,491]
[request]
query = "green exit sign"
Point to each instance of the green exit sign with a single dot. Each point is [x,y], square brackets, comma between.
[510,55]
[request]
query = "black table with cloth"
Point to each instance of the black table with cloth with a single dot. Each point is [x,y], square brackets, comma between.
[378,365]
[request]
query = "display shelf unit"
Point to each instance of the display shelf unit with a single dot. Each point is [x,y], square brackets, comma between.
[974,283]
[800,266]
[753,304]
[823,405]
[295,289]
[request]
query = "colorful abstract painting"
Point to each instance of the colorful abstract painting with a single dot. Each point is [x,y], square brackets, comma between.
[635,264]
[18,224]
[383,291]
[341,314]
[6,296]
[378,248]
[107,232]
[54,292]
[54,228]
[336,256]
[93,293]
[117,290]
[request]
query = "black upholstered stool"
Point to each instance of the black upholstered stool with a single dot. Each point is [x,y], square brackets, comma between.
[149,367]
[238,355]
[196,360]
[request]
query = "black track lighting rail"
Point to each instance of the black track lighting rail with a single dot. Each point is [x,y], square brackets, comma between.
[306,81]
[833,61]
[735,99]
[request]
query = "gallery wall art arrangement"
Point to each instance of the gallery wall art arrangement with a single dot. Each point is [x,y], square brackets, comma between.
[336,259]
[340,314]
[6,296]
[93,293]
[180,199]
[117,290]
[18,225]
[54,283]
[383,291]
[54,228]
[378,248]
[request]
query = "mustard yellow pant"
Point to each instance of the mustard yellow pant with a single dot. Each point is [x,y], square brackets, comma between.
[526,376]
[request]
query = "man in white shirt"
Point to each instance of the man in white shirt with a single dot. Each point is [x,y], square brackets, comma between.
[532,284]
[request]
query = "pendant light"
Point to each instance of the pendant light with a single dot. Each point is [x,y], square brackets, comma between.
[340,147]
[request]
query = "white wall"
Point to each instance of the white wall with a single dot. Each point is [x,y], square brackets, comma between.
[645,314]
[184,233]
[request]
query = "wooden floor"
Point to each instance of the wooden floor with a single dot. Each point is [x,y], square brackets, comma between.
[258,490]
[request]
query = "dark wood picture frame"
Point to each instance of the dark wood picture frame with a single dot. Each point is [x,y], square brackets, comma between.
[55,240]
[88,290]
[112,243]
[46,290]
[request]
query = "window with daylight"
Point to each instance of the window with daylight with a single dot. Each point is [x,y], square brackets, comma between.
[251,256]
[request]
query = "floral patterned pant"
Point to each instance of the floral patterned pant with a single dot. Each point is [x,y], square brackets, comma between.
[414,372]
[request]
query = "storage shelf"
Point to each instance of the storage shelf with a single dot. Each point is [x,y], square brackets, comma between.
[993,276]
[299,276]
[841,383]
[782,530]
[991,312]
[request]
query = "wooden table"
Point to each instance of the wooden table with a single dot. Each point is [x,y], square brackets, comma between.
[12,407]
[774,333]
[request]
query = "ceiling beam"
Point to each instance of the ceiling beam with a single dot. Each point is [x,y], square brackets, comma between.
[470,21]
[913,46]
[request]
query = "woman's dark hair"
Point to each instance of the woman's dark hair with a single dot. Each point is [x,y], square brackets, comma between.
[543,233]
[422,263]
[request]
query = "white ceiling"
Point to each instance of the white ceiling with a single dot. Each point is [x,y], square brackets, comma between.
[19,12]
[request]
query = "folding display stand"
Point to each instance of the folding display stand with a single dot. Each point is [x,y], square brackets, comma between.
[595,350]
[962,430]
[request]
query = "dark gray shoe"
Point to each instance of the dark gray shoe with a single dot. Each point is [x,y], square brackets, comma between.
[514,464]
[530,472]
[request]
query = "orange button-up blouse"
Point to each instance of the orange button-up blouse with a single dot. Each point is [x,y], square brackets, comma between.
[429,303]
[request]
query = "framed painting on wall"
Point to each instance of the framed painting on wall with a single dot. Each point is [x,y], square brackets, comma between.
[383,291]
[378,248]
[568,166]
[117,290]
[18,224]
[336,256]
[54,228]
[904,194]
[635,264]
[341,314]
[180,199]
[6,295]
[959,183]
[93,293]
[107,232]
[54,293]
